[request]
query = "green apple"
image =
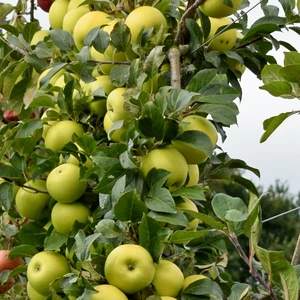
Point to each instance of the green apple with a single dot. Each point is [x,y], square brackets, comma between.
[130,268]
[64,215]
[193,175]
[115,104]
[100,82]
[57,12]
[64,184]
[46,268]
[86,23]
[189,205]
[168,278]
[195,122]
[115,135]
[192,278]
[30,203]
[73,159]
[74,4]
[145,17]
[72,16]
[218,9]
[169,159]
[224,41]
[33,294]
[62,133]
[39,36]
[108,292]
[235,65]
[53,79]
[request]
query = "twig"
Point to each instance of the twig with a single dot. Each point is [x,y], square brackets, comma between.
[32,6]
[296,255]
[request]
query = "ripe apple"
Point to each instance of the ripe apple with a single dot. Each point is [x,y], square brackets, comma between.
[45,4]
[224,41]
[10,116]
[48,123]
[218,9]
[130,268]
[74,4]
[57,12]
[61,133]
[39,36]
[115,135]
[189,205]
[52,80]
[168,278]
[64,215]
[235,65]
[115,104]
[33,294]
[8,264]
[86,23]
[30,203]
[192,155]
[64,184]
[100,57]
[72,16]
[46,268]
[169,159]
[194,175]
[145,17]
[7,285]
[190,279]
[100,82]
[108,292]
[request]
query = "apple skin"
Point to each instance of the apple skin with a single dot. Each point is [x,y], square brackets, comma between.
[192,155]
[115,104]
[6,286]
[72,16]
[31,204]
[57,12]
[74,4]
[189,205]
[194,175]
[115,135]
[11,116]
[190,279]
[168,278]
[8,264]
[33,294]
[45,267]
[130,268]
[164,158]
[144,16]
[61,133]
[64,215]
[217,9]
[39,36]
[45,4]
[108,292]
[64,184]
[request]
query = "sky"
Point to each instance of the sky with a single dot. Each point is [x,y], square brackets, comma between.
[278,158]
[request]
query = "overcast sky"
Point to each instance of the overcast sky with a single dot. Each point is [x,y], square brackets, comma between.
[279,156]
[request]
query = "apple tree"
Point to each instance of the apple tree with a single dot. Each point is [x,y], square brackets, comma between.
[112,123]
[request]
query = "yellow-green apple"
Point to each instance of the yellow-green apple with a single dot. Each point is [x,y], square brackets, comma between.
[72,16]
[168,278]
[33,294]
[53,79]
[193,175]
[190,279]
[223,41]
[8,264]
[130,268]
[108,292]
[32,202]
[115,104]
[86,23]
[100,57]
[64,215]
[57,12]
[64,184]
[115,135]
[198,123]
[145,17]
[47,120]
[151,85]
[218,9]
[235,65]
[164,158]
[74,160]
[61,133]
[47,268]
[189,205]
[74,4]
[39,36]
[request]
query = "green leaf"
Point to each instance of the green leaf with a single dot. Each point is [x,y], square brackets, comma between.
[240,164]
[291,73]
[120,36]
[119,75]
[29,128]
[130,207]
[6,195]
[193,192]
[178,100]
[108,228]
[62,39]
[278,89]
[99,39]
[291,58]
[183,236]
[9,172]
[175,219]
[196,35]
[5,9]
[153,61]
[206,219]
[55,241]
[239,291]
[33,234]
[29,30]
[24,250]
[201,79]
[160,200]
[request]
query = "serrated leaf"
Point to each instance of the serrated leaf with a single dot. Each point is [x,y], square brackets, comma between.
[175,219]
[153,61]
[119,75]
[24,250]
[108,228]
[62,39]
[178,100]
[201,79]
[120,36]
[160,200]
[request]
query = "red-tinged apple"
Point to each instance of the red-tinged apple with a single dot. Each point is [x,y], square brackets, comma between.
[57,12]
[72,16]
[191,154]
[64,183]
[115,104]
[10,116]
[108,292]
[86,23]
[7,285]
[190,279]
[45,4]
[168,278]
[218,9]
[145,17]
[164,158]
[64,215]
[33,294]
[189,205]
[61,133]
[32,202]
[130,268]
[114,135]
[47,268]
[8,264]
[193,175]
